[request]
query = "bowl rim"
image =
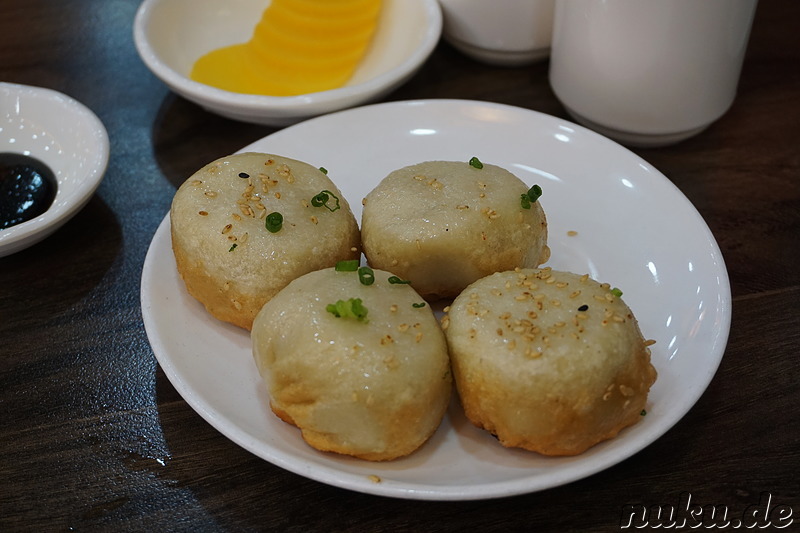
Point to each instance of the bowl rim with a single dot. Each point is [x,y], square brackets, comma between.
[24,234]
[221,97]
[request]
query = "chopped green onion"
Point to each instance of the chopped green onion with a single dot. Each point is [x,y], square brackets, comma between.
[418,305]
[322,198]
[233,247]
[394,280]
[352,308]
[350,265]
[476,163]
[643,413]
[616,292]
[534,193]
[366,276]
[530,197]
[274,222]
[323,170]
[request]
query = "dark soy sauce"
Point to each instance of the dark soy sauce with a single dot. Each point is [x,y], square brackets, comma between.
[27,189]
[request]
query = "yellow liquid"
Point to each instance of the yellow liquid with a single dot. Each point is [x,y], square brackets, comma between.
[298,47]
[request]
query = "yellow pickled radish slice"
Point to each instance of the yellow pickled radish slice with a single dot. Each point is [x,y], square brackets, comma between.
[298,47]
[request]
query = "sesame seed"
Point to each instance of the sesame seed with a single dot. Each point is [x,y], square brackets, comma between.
[314,220]
[575,294]
[210,194]
[203,213]
[649,342]
[227,228]
[572,233]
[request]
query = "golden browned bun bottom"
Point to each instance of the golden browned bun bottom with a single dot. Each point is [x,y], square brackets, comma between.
[224,252]
[548,361]
[445,224]
[374,387]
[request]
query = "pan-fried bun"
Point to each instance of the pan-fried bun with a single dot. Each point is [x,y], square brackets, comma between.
[548,361]
[445,224]
[370,380]
[225,254]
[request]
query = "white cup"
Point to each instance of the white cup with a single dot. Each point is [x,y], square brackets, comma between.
[499,32]
[648,72]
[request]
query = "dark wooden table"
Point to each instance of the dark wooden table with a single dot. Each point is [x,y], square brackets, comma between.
[94,437]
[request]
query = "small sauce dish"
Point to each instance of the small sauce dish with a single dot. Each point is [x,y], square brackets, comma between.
[170,35]
[64,135]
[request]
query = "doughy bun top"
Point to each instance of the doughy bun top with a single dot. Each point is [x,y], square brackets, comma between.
[224,247]
[445,224]
[371,381]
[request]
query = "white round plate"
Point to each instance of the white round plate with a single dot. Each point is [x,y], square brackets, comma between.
[635,230]
[170,35]
[65,135]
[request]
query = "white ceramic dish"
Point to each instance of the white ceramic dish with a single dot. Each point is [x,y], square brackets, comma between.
[507,33]
[170,35]
[65,135]
[635,230]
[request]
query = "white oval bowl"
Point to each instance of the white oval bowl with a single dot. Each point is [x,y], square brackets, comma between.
[170,35]
[65,135]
